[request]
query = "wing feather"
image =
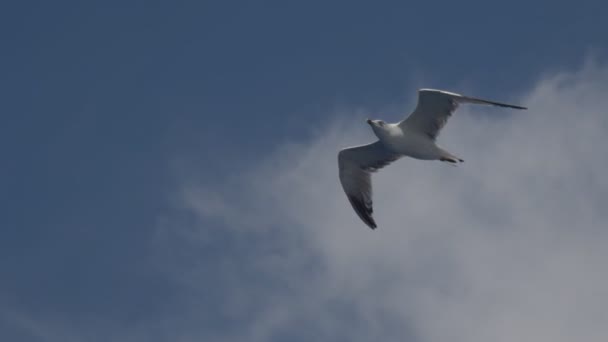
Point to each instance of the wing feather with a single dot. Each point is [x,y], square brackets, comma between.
[356,165]
[435,108]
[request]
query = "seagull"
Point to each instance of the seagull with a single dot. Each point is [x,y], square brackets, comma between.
[413,137]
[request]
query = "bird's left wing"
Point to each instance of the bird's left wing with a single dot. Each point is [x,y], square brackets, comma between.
[436,106]
[356,165]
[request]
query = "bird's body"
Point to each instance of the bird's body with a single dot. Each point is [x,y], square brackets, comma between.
[413,137]
[406,142]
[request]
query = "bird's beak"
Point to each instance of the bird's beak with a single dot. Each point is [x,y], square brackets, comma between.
[369,122]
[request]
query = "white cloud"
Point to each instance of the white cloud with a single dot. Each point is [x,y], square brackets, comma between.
[510,246]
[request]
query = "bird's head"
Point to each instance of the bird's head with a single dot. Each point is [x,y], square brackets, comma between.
[377,125]
[380,128]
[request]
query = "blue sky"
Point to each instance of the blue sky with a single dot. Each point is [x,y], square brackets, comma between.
[133,131]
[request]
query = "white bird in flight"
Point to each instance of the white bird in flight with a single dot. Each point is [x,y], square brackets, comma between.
[413,137]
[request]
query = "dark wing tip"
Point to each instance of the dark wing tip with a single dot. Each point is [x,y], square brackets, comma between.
[495,103]
[363,211]
[510,106]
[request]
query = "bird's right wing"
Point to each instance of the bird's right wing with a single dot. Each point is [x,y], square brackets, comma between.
[436,106]
[356,164]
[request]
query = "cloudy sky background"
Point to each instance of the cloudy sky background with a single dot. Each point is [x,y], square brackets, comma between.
[170,173]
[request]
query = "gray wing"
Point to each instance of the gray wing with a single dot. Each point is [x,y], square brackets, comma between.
[356,165]
[436,106]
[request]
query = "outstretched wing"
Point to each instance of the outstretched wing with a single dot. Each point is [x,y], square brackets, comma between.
[436,106]
[356,165]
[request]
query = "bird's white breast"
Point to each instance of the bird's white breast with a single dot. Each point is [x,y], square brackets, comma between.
[412,144]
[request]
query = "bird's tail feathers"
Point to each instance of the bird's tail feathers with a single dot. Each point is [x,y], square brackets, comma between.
[450,158]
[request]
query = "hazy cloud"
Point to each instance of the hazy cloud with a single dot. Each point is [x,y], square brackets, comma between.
[510,246]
